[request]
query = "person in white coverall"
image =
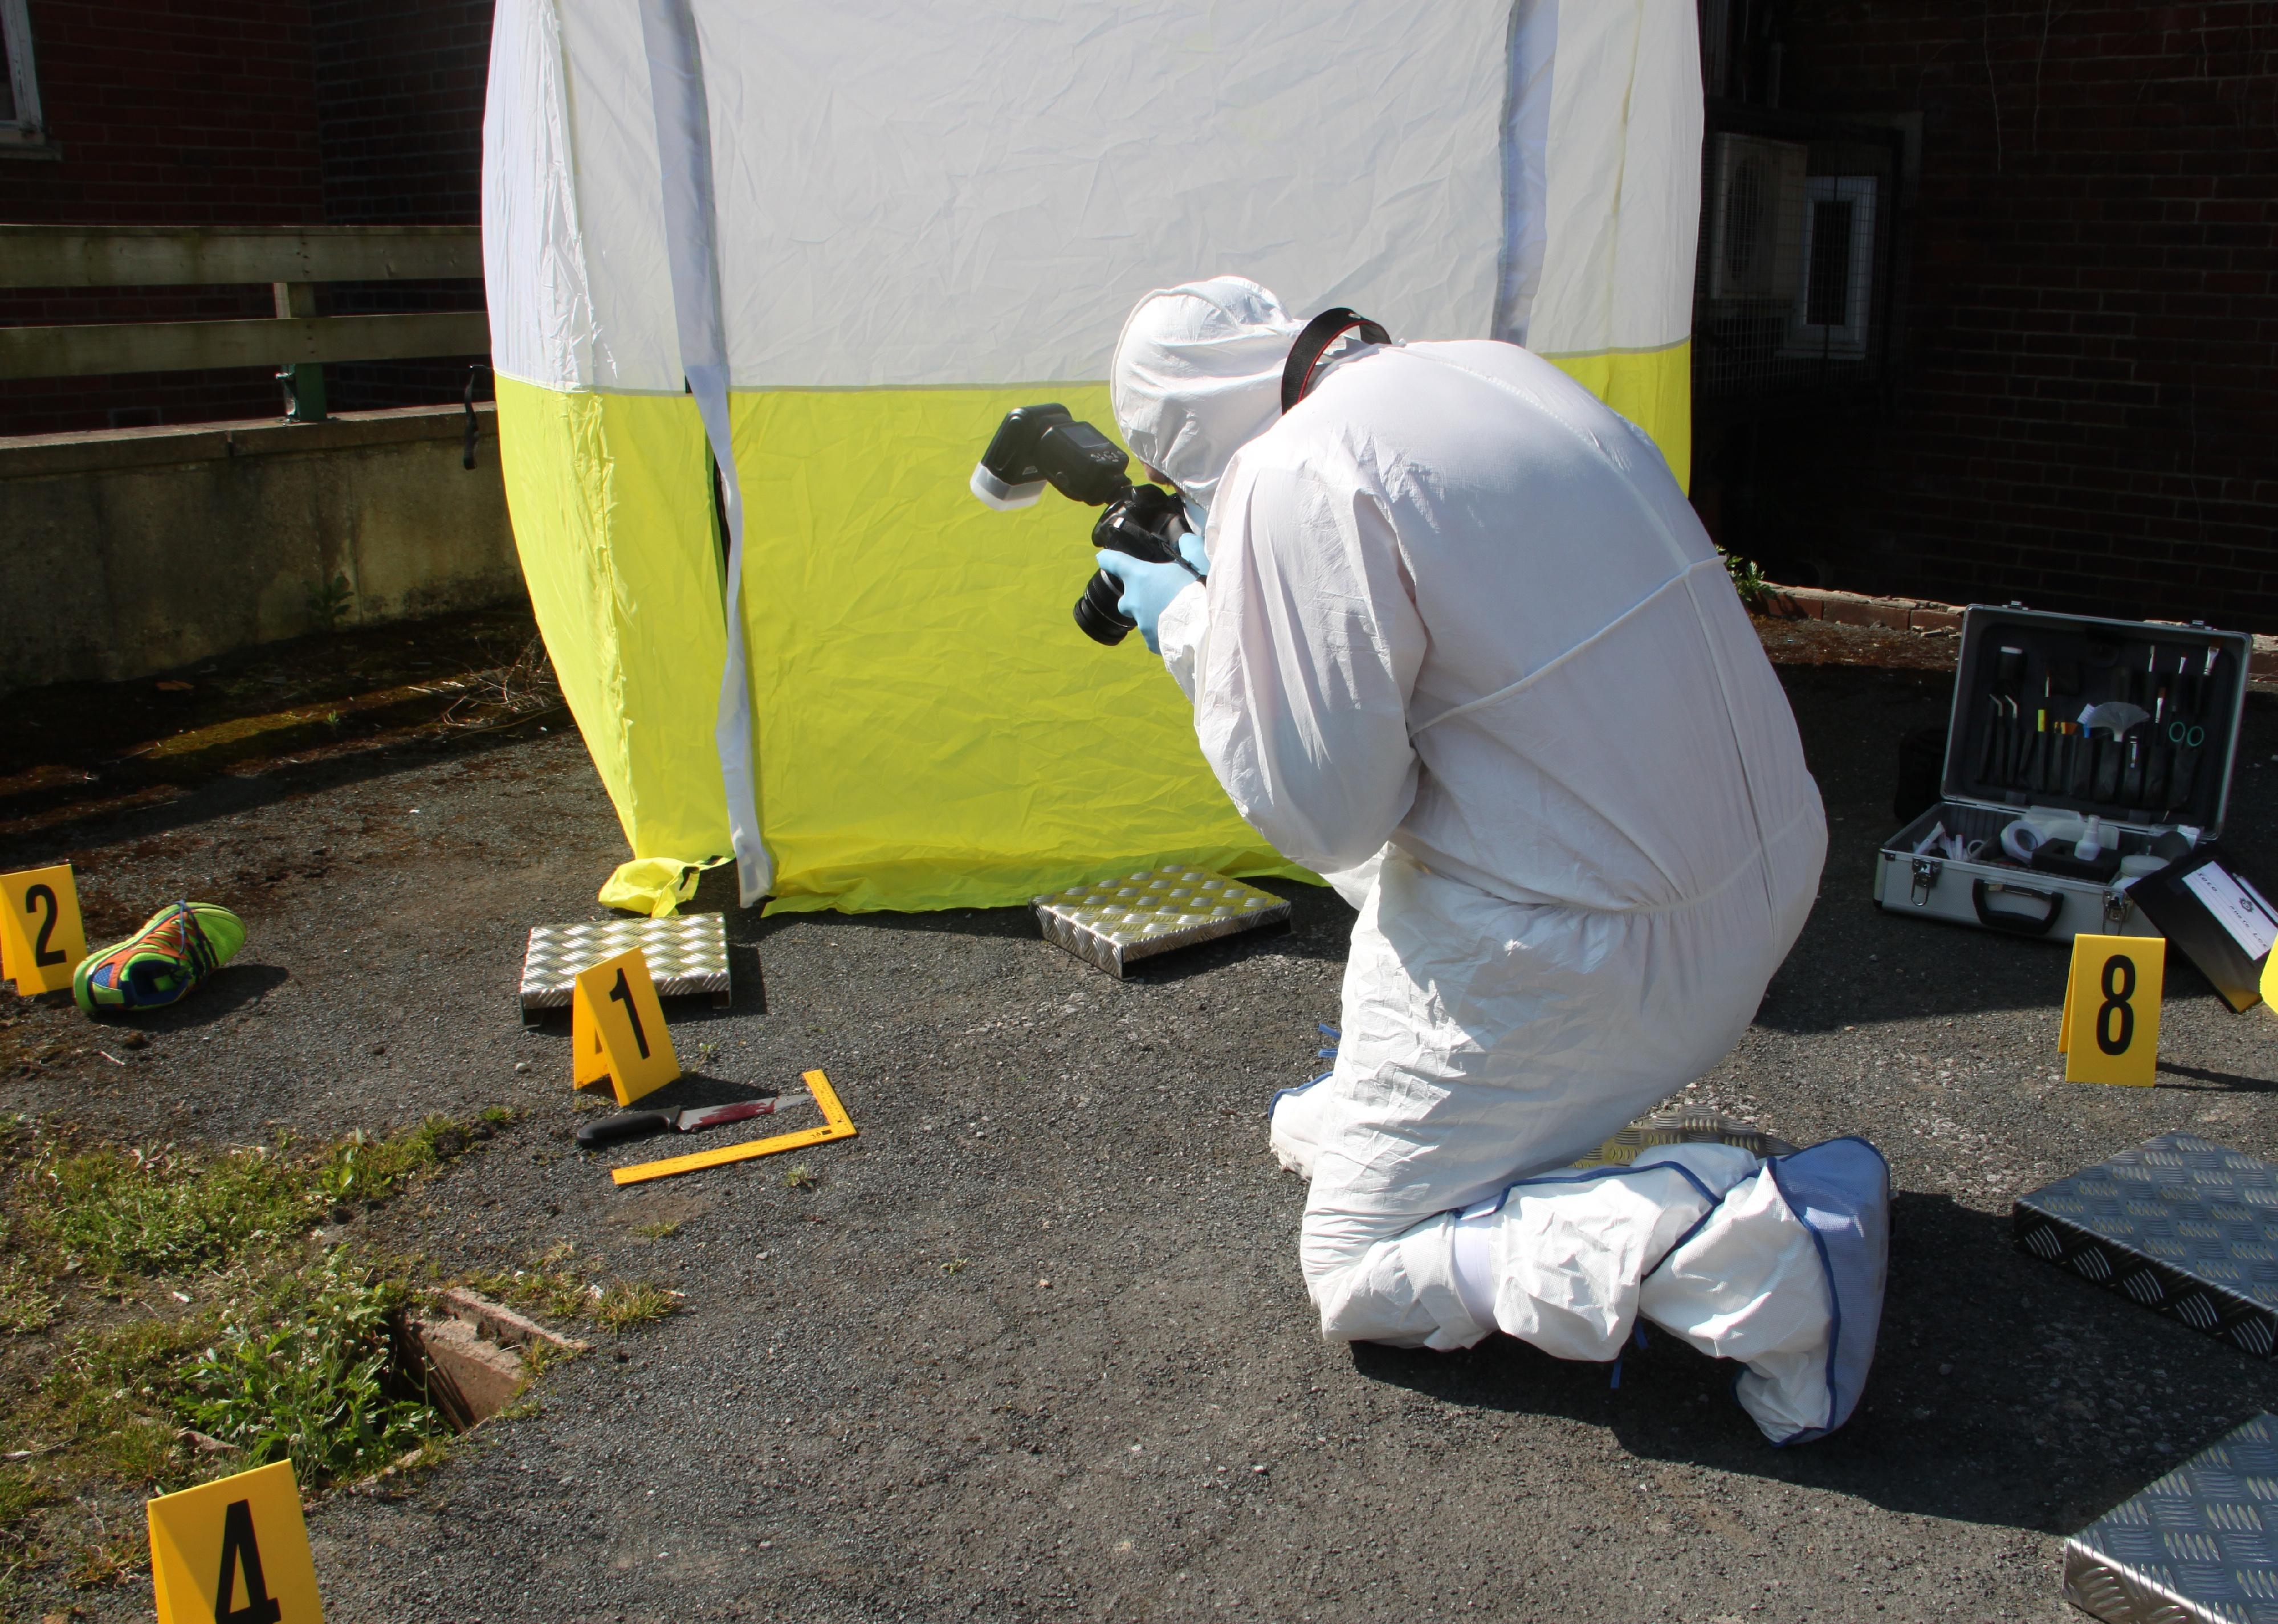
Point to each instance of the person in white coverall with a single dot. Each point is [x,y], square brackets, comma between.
[1463,648]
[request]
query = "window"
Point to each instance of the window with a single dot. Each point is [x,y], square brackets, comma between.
[20,128]
[1832,307]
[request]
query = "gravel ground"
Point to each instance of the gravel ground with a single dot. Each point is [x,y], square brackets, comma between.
[1035,1346]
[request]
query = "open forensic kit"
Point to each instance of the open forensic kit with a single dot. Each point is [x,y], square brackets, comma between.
[2082,755]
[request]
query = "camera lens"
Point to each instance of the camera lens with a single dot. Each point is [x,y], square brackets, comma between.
[1096,613]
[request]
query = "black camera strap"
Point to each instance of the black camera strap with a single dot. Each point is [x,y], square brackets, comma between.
[1305,354]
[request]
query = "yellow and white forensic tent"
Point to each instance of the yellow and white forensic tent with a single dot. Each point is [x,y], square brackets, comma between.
[763,277]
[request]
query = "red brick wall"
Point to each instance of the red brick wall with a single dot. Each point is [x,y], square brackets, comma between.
[2087,408]
[190,112]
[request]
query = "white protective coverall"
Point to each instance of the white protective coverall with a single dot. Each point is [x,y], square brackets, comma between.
[1465,649]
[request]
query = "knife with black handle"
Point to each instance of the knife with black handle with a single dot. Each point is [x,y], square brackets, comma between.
[641,1124]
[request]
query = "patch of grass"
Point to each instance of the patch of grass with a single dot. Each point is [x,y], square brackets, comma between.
[359,1168]
[119,1396]
[22,1492]
[226,1320]
[555,1288]
[112,1213]
[26,1304]
[107,1563]
[300,1373]
[289,1360]
[115,1213]
[663,1229]
[621,1305]
[548,1292]
[955,1266]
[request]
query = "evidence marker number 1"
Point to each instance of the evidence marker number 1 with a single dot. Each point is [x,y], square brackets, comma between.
[617,1030]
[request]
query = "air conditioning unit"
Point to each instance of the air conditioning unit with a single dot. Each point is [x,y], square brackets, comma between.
[1835,298]
[1756,217]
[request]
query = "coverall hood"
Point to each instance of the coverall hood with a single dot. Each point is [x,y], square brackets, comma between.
[1197,374]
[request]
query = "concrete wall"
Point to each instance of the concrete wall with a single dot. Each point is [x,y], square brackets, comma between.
[131,551]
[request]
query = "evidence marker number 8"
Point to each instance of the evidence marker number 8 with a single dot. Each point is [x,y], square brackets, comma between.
[2110,1032]
[2112,1037]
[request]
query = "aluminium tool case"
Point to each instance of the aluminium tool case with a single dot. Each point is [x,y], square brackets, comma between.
[2018,744]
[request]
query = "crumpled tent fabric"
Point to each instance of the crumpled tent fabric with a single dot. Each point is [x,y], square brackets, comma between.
[652,886]
[1461,621]
[918,215]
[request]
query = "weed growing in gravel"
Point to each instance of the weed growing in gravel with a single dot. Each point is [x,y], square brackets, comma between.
[555,1287]
[799,1177]
[621,1305]
[663,1229]
[549,1293]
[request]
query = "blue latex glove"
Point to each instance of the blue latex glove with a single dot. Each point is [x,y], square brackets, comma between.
[1191,548]
[1148,589]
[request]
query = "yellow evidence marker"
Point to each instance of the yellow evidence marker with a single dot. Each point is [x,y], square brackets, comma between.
[2110,1032]
[835,1124]
[617,1031]
[234,1551]
[42,939]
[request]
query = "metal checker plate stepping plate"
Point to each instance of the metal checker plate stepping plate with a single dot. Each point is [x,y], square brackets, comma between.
[2179,1226]
[1691,1127]
[1115,923]
[2202,1543]
[687,953]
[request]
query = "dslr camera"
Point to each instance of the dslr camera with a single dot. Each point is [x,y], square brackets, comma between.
[1037,445]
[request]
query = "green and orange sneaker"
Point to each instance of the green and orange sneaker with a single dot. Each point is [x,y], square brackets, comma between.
[183,944]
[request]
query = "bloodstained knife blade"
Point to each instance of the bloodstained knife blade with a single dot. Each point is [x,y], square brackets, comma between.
[637,1124]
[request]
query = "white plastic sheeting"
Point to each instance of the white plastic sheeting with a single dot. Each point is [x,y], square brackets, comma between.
[917,195]
[1601,242]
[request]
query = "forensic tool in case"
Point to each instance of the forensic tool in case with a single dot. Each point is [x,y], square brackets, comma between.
[687,953]
[2183,1226]
[639,1125]
[2081,755]
[2200,1543]
[1113,923]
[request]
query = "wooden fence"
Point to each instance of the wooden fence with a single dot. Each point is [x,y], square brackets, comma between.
[291,259]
